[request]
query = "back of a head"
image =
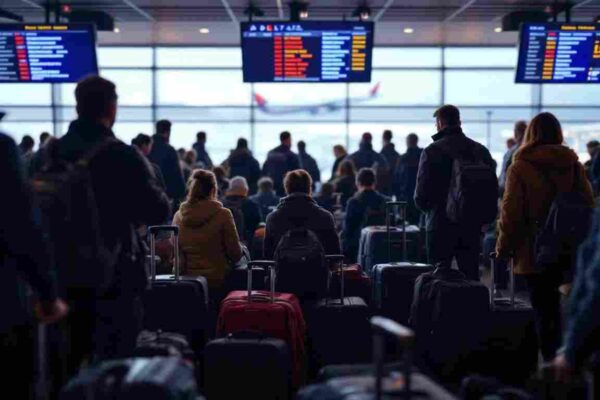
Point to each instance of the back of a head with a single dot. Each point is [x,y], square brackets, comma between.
[27,143]
[43,137]
[285,137]
[301,146]
[202,185]
[327,189]
[519,130]
[366,177]
[340,150]
[387,136]
[163,127]
[181,153]
[544,128]
[412,140]
[219,172]
[242,144]
[448,115]
[593,144]
[201,137]
[265,184]
[347,168]
[96,98]
[366,138]
[190,157]
[297,181]
[141,140]
[238,185]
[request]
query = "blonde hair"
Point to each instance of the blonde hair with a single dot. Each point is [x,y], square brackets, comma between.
[202,185]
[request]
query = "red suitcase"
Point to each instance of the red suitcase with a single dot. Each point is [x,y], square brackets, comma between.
[276,315]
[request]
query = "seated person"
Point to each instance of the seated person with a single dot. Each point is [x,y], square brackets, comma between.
[365,208]
[325,198]
[208,239]
[299,209]
[266,198]
[246,213]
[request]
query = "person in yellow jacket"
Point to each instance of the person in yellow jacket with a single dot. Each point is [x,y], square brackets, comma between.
[208,240]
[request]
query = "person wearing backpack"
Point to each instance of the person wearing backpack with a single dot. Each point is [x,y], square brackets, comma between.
[457,188]
[543,172]
[365,208]
[245,212]
[280,161]
[111,191]
[241,162]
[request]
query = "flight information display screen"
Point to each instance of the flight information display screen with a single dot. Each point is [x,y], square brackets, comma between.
[47,53]
[559,53]
[310,51]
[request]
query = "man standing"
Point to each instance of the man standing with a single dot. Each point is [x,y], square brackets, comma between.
[519,134]
[366,157]
[280,161]
[309,164]
[405,179]
[449,237]
[391,156]
[165,156]
[202,156]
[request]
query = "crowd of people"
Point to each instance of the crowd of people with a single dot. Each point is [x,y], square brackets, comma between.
[219,209]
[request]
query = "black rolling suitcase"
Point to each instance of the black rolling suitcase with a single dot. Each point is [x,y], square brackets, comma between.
[338,328]
[393,282]
[247,365]
[176,303]
[395,385]
[511,345]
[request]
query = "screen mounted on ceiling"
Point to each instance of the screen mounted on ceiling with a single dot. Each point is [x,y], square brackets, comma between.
[308,51]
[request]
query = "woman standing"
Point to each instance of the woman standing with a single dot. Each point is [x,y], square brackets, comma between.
[345,183]
[542,168]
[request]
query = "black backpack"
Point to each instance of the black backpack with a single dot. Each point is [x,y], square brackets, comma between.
[300,264]
[69,213]
[235,206]
[565,227]
[473,193]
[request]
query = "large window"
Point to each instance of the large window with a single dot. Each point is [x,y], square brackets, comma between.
[201,88]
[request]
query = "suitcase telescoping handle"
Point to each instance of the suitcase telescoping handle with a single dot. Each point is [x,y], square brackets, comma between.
[511,279]
[270,265]
[338,259]
[153,231]
[390,207]
[383,327]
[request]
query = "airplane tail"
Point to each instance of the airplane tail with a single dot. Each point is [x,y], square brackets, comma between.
[260,101]
[374,90]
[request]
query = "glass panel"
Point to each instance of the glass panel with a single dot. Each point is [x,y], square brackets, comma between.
[407,57]
[202,88]
[481,57]
[577,135]
[25,94]
[399,129]
[206,113]
[399,87]
[125,57]
[17,130]
[576,95]
[198,57]
[16,114]
[126,131]
[481,88]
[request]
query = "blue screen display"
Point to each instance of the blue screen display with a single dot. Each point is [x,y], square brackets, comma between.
[47,53]
[309,51]
[559,53]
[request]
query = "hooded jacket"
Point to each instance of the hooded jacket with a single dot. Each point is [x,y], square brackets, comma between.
[528,197]
[208,240]
[241,163]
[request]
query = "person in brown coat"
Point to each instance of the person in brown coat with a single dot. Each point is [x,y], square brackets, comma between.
[208,239]
[527,199]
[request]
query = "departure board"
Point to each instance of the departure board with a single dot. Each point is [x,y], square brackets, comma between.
[47,53]
[311,51]
[559,53]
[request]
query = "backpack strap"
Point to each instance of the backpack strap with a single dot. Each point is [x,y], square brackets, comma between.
[102,145]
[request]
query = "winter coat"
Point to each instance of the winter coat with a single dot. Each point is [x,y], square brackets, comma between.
[405,179]
[366,157]
[309,164]
[202,155]
[241,163]
[279,162]
[165,156]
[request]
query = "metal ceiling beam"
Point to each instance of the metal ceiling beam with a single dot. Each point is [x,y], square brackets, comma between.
[230,13]
[139,10]
[280,8]
[32,4]
[379,14]
[459,11]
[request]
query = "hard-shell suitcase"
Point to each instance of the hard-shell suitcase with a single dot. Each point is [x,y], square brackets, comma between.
[357,283]
[273,314]
[247,365]
[395,385]
[338,328]
[163,344]
[188,294]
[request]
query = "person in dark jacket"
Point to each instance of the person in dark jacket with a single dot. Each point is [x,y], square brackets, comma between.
[592,166]
[309,164]
[325,198]
[266,198]
[222,181]
[280,161]
[299,209]
[202,157]
[447,240]
[340,154]
[23,261]
[366,203]
[127,197]
[345,183]
[391,157]
[144,144]
[519,133]
[366,157]
[405,179]
[26,147]
[241,162]
[165,156]
[236,198]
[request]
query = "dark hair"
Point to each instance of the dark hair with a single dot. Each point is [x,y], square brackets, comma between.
[43,137]
[94,96]
[301,146]
[201,136]
[520,129]
[27,143]
[366,177]
[327,189]
[593,144]
[544,128]
[265,184]
[220,172]
[181,152]
[413,137]
[366,137]
[242,143]
[346,168]
[340,148]
[285,135]
[141,140]
[201,184]
[448,114]
[387,135]
[163,126]
[297,181]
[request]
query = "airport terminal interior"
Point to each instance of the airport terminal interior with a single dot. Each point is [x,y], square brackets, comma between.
[281,199]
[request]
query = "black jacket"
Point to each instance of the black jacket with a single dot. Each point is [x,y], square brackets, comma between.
[435,167]
[300,210]
[241,163]
[165,156]
[355,216]
[391,156]
[202,155]
[366,157]
[309,164]
[335,167]
[250,211]
[279,162]
[405,179]
[23,255]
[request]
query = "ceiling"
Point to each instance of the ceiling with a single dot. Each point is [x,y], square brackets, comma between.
[154,20]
